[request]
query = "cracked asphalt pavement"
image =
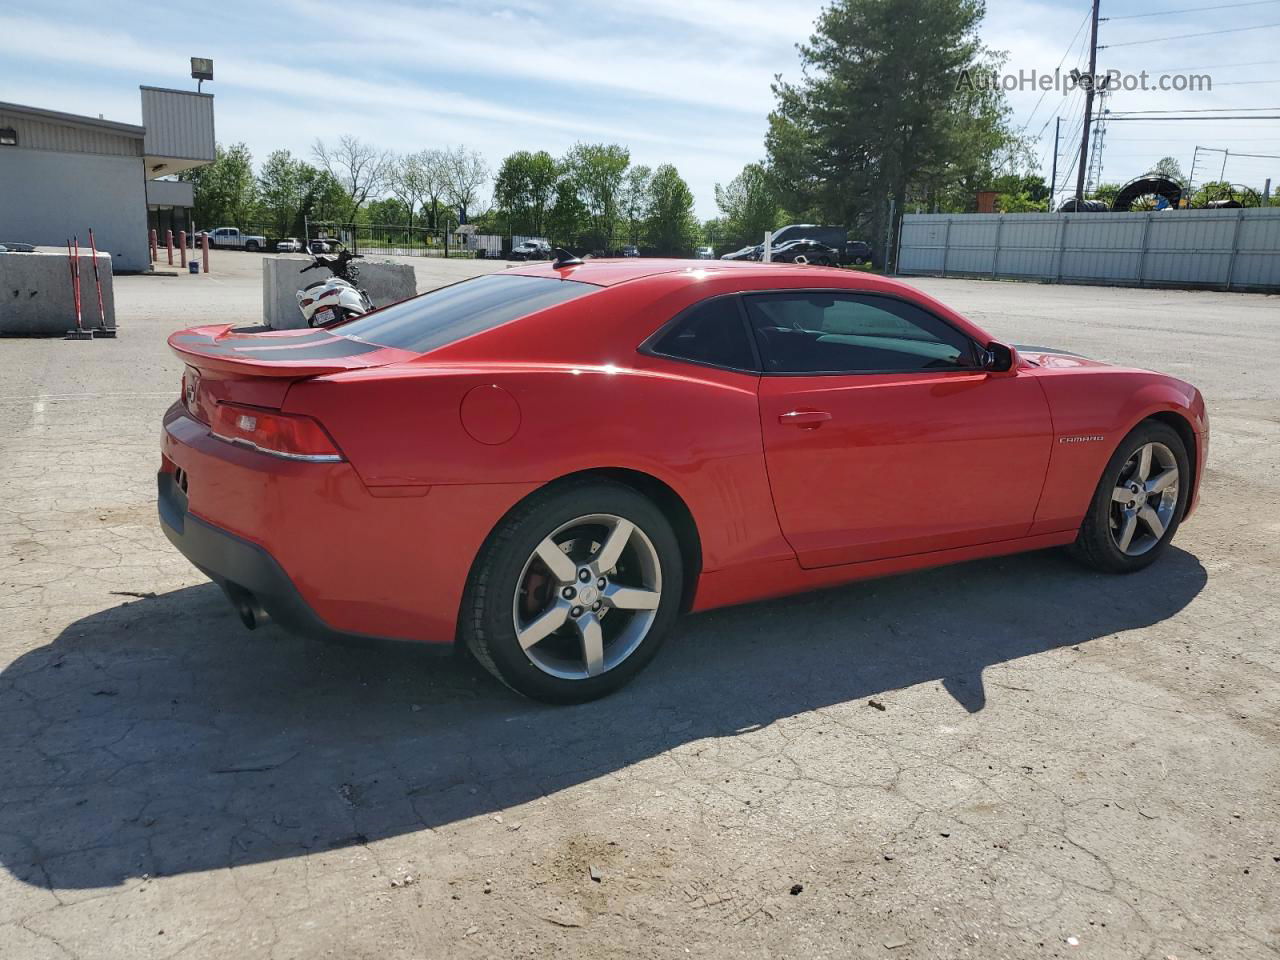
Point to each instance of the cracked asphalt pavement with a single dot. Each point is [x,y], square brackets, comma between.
[1009,758]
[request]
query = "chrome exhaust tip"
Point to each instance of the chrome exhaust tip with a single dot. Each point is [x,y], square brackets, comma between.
[247,608]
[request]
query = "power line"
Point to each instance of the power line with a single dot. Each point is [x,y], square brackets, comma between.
[1214,66]
[1188,36]
[1184,140]
[1164,13]
[1125,113]
[1066,53]
[1268,116]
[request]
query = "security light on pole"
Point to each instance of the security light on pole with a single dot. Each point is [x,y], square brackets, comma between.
[201,70]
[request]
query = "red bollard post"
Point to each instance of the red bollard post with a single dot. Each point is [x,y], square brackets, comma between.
[182,249]
[168,242]
[204,246]
[155,245]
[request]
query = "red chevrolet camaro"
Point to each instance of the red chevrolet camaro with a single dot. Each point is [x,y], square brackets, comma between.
[550,464]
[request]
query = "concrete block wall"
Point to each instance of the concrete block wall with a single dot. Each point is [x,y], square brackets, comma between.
[36,295]
[282,278]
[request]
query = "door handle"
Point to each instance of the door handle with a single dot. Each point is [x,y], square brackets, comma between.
[804,418]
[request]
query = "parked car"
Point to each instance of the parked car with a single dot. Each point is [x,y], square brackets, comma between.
[857,251]
[746,253]
[230,238]
[851,251]
[531,250]
[322,245]
[551,463]
[289,245]
[704,253]
[818,254]
[630,250]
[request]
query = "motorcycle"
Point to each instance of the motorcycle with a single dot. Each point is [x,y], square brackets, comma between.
[337,299]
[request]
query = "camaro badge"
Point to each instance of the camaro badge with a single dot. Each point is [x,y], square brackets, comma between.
[1089,439]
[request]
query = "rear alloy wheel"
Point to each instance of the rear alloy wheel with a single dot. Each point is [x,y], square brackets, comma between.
[573,594]
[1139,501]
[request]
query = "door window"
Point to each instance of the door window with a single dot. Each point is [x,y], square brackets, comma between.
[816,332]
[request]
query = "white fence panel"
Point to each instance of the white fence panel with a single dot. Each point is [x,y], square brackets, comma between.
[1230,249]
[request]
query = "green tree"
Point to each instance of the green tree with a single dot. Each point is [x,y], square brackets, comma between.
[1169,167]
[1220,190]
[596,171]
[1021,193]
[1105,192]
[524,189]
[567,219]
[226,192]
[750,206]
[388,210]
[670,227]
[634,200]
[888,105]
[323,199]
[281,186]
[716,233]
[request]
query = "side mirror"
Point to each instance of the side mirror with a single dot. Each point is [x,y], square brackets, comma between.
[995,357]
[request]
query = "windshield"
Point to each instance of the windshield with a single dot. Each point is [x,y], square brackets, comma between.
[451,313]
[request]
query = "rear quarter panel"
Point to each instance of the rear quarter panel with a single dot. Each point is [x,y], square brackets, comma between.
[697,430]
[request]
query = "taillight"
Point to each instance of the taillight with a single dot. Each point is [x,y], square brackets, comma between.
[279,434]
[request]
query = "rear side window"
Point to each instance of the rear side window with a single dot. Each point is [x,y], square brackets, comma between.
[462,309]
[711,332]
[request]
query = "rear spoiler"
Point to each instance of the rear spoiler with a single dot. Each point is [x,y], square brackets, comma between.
[279,353]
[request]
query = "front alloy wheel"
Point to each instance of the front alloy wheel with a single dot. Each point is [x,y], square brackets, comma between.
[574,592]
[1143,502]
[1139,501]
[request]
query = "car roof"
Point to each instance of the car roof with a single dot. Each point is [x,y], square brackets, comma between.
[608,272]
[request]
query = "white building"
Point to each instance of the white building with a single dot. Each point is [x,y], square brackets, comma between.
[61,173]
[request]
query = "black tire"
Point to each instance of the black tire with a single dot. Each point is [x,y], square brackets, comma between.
[487,626]
[251,246]
[859,261]
[1095,545]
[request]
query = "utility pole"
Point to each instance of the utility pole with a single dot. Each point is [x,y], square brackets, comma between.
[1083,166]
[1053,178]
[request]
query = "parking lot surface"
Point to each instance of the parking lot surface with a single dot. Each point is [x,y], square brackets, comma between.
[1009,758]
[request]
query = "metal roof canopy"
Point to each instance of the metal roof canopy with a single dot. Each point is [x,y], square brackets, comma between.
[74,119]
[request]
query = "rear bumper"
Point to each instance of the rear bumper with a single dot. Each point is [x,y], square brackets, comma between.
[252,579]
[321,552]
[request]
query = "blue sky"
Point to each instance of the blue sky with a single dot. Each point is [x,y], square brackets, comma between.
[679,81]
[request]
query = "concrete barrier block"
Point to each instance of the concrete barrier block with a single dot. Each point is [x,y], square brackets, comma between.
[36,297]
[282,278]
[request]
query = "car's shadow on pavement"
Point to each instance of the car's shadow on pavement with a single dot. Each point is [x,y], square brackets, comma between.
[160,737]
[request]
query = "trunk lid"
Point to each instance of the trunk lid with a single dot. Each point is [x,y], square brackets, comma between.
[291,354]
[257,368]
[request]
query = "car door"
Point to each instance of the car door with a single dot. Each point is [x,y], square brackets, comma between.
[883,436]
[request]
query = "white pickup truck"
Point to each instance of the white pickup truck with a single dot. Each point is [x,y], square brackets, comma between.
[233,239]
